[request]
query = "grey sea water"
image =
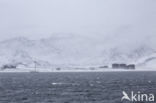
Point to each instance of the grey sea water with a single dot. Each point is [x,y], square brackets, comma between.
[73,87]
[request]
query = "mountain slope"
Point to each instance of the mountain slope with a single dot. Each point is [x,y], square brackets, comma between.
[70,51]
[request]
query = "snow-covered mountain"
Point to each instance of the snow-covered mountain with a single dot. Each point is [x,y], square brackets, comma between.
[73,51]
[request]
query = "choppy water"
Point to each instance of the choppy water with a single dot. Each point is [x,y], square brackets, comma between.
[73,87]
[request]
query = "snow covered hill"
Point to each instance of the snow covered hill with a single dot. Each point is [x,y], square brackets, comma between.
[70,50]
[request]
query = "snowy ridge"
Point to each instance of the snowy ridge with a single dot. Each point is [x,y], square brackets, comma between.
[72,51]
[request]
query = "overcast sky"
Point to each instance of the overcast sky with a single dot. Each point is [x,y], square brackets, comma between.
[43,18]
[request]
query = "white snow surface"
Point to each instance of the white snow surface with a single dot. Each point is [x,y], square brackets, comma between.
[73,52]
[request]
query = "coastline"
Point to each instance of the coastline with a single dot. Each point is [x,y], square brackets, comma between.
[28,70]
